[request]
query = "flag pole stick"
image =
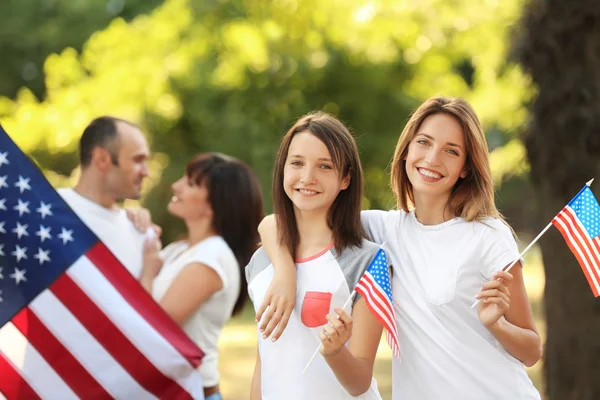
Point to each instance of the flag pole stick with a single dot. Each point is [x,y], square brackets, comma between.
[321,345]
[534,240]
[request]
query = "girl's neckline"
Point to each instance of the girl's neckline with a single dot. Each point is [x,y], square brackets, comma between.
[436,227]
[319,254]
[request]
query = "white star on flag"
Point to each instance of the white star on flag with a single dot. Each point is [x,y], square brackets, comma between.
[1,250]
[21,230]
[1,276]
[42,256]
[44,209]
[3,205]
[43,233]
[18,275]
[23,184]
[66,235]
[20,252]
[2,230]
[3,181]
[1,300]
[22,208]
[3,159]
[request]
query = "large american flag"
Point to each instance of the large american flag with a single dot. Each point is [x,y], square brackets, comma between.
[375,287]
[74,323]
[579,223]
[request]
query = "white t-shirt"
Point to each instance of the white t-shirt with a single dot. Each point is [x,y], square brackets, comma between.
[324,281]
[112,227]
[206,323]
[446,351]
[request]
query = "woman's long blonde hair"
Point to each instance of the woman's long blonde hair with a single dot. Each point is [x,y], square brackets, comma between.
[472,197]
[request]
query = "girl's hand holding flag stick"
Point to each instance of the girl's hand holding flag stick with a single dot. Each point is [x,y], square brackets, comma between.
[375,287]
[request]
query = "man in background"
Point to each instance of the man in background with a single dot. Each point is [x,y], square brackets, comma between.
[113,160]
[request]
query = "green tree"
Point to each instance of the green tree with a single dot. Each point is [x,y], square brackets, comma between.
[32,29]
[559,46]
[233,76]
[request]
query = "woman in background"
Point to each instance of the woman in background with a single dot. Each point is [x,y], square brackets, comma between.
[199,281]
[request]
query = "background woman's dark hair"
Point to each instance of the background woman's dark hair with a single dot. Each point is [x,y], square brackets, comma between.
[236,200]
[344,214]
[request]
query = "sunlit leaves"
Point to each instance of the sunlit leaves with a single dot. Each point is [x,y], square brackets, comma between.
[233,76]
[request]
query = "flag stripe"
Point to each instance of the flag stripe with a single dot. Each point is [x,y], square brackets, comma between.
[380,305]
[394,346]
[367,289]
[57,355]
[31,366]
[581,246]
[12,384]
[372,291]
[374,286]
[572,241]
[169,361]
[122,280]
[590,244]
[577,245]
[390,335]
[113,340]
[53,345]
[81,344]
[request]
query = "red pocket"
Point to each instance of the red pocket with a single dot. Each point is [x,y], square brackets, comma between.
[315,307]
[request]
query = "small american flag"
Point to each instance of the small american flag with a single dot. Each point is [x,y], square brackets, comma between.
[375,287]
[74,323]
[579,223]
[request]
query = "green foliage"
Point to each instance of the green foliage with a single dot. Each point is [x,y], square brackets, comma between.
[232,76]
[32,29]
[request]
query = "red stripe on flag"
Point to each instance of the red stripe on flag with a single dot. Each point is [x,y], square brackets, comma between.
[562,224]
[368,289]
[587,249]
[568,226]
[12,384]
[114,341]
[378,303]
[58,357]
[593,251]
[143,303]
[367,285]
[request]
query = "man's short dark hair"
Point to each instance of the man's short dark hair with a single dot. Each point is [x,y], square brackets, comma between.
[101,132]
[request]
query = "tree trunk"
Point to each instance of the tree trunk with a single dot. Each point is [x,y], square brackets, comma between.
[559,46]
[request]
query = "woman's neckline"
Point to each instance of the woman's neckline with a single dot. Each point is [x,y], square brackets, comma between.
[434,227]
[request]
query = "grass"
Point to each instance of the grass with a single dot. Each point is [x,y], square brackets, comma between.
[238,343]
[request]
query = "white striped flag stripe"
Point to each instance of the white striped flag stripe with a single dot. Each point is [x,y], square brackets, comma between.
[74,323]
[95,335]
[585,248]
[375,287]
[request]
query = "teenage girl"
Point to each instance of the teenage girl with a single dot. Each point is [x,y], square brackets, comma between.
[317,193]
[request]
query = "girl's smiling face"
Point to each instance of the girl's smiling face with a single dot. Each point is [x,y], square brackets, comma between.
[310,178]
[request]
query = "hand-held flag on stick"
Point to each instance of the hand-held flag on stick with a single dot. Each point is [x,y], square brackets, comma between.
[74,323]
[375,287]
[579,224]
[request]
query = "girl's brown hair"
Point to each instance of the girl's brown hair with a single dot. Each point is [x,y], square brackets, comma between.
[343,216]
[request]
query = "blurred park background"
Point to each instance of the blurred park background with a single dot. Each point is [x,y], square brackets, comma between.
[233,75]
